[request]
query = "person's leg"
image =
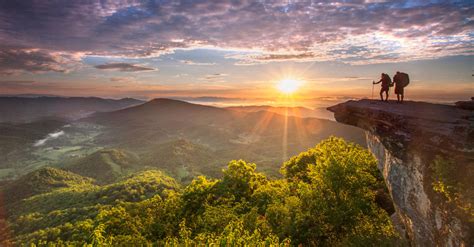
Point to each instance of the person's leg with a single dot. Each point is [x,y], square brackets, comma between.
[402,98]
[386,95]
[382,91]
[398,97]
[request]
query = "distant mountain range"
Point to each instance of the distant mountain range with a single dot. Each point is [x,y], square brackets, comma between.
[117,137]
[161,119]
[258,135]
[29,95]
[28,108]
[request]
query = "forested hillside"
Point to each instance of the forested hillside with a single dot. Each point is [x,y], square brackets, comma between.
[104,165]
[330,195]
[185,140]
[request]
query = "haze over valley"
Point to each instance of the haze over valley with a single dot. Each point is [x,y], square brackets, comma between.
[184,139]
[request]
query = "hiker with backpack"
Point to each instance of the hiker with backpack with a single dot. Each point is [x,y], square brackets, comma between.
[401,80]
[386,83]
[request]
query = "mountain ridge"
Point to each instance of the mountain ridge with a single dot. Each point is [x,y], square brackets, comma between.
[27,109]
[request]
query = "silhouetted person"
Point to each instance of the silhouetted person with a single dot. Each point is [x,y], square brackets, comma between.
[386,81]
[401,80]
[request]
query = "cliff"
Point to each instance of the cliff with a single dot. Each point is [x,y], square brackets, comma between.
[420,146]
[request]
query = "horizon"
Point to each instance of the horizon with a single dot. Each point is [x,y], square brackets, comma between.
[235,52]
[223,102]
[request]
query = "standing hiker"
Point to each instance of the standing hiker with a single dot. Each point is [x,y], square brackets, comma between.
[386,82]
[401,80]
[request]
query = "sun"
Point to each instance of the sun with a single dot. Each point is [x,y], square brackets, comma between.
[288,86]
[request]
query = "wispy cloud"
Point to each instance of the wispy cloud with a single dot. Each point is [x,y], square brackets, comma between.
[189,62]
[123,79]
[123,67]
[285,57]
[216,77]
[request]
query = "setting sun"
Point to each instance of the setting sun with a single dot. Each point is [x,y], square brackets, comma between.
[288,86]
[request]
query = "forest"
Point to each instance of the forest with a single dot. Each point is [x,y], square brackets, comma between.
[330,195]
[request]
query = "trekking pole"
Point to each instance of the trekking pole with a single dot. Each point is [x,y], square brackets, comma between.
[372,90]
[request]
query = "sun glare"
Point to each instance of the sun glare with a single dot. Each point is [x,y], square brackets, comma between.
[288,86]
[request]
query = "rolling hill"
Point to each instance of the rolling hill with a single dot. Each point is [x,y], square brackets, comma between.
[149,207]
[183,159]
[162,120]
[50,200]
[183,139]
[265,137]
[105,165]
[42,181]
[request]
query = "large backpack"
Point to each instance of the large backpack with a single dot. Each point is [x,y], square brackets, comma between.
[404,79]
[388,80]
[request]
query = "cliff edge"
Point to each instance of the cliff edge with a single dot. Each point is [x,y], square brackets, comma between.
[426,155]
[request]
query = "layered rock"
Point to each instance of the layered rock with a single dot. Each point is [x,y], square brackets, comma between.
[406,138]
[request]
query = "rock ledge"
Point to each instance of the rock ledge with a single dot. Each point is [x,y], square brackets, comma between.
[406,138]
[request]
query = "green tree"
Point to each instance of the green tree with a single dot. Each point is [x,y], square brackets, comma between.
[240,180]
[339,197]
[327,198]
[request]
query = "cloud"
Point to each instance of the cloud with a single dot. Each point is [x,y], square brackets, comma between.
[356,32]
[358,78]
[123,79]
[217,77]
[284,57]
[123,67]
[189,62]
[14,60]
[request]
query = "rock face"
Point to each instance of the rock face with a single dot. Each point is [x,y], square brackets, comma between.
[406,138]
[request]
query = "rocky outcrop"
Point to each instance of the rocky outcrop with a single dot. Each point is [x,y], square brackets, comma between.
[406,139]
[466,105]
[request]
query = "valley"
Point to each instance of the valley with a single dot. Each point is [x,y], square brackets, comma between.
[183,139]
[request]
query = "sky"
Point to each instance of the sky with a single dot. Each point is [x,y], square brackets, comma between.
[236,52]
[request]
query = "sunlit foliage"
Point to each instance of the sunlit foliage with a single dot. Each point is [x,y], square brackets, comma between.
[451,183]
[327,198]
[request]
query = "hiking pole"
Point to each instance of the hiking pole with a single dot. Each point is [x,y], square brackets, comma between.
[373,90]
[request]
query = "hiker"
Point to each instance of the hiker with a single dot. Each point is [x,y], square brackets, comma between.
[401,80]
[386,82]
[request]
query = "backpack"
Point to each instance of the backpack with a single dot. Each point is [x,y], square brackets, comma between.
[388,80]
[404,79]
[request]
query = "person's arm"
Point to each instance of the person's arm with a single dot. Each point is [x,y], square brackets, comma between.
[377,82]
